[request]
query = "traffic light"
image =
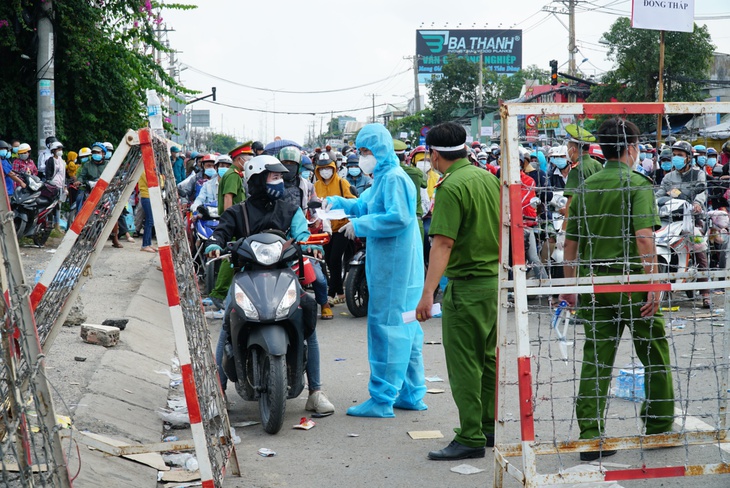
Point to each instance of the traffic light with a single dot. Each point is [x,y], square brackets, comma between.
[554,72]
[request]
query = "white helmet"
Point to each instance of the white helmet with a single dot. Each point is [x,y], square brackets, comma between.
[558,151]
[55,145]
[224,158]
[109,146]
[259,164]
[524,153]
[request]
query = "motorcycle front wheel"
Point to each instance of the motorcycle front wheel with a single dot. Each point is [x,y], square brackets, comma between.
[19,226]
[356,291]
[272,399]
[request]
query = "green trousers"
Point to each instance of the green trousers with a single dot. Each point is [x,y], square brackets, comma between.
[604,323]
[470,339]
[223,282]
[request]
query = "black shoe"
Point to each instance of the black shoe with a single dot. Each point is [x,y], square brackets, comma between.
[593,455]
[455,451]
[490,439]
[217,303]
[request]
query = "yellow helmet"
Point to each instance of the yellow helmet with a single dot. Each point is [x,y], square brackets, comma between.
[85,151]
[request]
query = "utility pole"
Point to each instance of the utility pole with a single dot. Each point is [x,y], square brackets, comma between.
[481,97]
[416,87]
[571,37]
[45,103]
[373,108]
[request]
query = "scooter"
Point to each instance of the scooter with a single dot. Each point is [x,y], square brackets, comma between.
[33,212]
[266,357]
[203,229]
[674,240]
[356,284]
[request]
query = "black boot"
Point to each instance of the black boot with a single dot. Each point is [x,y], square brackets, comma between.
[455,451]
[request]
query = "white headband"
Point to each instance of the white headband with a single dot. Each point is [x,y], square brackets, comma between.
[452,148]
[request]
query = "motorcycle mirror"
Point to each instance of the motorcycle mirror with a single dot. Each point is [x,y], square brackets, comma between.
[314,204]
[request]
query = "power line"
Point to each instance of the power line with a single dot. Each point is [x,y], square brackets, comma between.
[293,91]
[277,112]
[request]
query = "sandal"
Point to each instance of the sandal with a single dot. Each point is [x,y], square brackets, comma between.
[148,249]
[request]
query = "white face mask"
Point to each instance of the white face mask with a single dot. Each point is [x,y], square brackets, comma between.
[58,154]
[367,164]
[326,173]
[424,166]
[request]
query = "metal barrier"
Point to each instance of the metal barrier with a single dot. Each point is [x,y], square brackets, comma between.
[542,426]
[31,453]
[206,406]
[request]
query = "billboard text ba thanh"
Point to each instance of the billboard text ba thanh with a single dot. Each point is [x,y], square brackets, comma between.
[501,49]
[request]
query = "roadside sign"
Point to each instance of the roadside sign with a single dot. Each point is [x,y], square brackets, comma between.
[531,121]
[424,130]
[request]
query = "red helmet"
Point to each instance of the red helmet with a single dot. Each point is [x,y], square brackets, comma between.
[595,152]
[475,144]
[414,151]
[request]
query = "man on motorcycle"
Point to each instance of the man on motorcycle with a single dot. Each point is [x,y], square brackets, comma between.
[299,192]
[213,170]
[689,183]
[266,209]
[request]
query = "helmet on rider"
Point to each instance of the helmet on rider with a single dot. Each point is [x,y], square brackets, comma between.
[84,152]
[50,140]
[353,160]
[307,163]
[683,146]
[700,149]
[418,154]
[596,152]
[257,147]
[670,141]
[291,158]
[711,151]
[260,164]
[24,148]
[4,145]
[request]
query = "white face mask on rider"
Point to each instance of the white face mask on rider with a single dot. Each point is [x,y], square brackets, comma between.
[326,173]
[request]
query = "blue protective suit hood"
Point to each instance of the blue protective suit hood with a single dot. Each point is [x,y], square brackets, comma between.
[377,138]
[540,159]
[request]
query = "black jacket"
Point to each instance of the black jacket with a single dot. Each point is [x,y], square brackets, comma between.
[263,214]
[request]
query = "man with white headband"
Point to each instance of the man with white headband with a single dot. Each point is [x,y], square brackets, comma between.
[465,248]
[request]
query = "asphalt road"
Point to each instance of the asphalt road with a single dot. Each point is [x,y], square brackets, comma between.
[382,454]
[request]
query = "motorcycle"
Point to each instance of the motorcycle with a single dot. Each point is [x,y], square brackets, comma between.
[356,284]
[266,356]
[202,230]
[33,210]
[674,240]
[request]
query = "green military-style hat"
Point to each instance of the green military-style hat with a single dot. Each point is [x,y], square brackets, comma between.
[579,134]
[399,146]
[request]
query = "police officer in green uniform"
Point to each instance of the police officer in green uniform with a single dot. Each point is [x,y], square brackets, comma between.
[465,247]
[611,232]
[230,192]
[578,144]
[415,174]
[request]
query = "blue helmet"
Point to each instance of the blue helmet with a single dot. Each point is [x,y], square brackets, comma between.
[699,148]
[99,145]
[353,159]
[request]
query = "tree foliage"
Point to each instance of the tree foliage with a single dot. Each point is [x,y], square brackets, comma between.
[103,64]
[455,94]
[635,52]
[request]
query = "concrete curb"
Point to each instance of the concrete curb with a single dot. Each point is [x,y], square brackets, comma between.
[124,393]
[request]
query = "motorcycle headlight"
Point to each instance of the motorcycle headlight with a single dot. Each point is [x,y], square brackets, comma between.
[289,299]
[245,303]
[266,254]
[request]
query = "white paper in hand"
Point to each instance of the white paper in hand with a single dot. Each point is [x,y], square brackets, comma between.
[410,316]
[336,214]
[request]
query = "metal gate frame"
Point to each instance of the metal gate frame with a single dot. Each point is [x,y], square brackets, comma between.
[512,225]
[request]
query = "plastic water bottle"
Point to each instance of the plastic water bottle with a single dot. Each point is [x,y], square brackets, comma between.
[154,112]
[38,275]
[622,385]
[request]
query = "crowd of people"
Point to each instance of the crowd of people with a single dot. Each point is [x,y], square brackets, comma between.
[437,206]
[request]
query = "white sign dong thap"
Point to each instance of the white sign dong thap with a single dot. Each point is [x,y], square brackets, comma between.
[667,15]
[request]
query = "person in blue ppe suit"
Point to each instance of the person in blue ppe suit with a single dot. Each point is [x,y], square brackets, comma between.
[385,214]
